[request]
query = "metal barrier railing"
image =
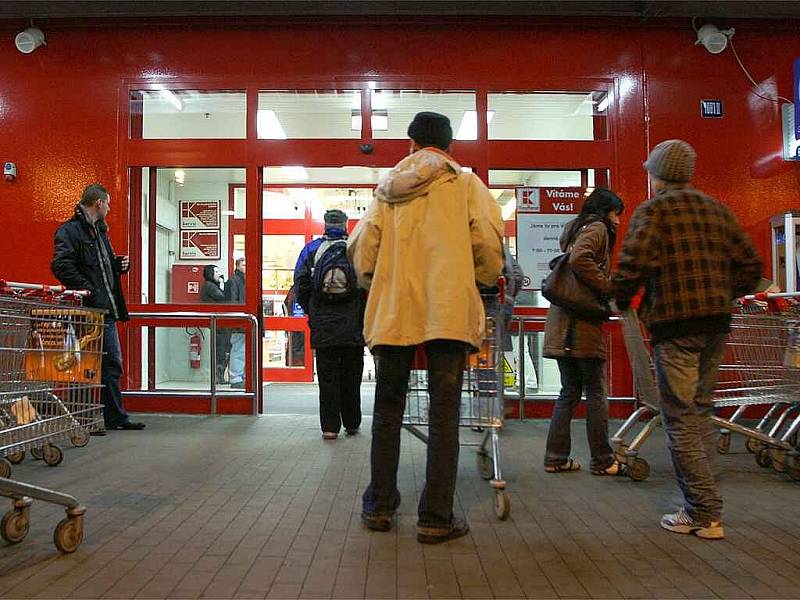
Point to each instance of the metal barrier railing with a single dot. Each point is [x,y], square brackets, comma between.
[255,337]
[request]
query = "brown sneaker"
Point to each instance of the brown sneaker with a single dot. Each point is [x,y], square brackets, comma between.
[438,535]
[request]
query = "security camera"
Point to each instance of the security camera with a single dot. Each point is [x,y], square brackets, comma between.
[29,40]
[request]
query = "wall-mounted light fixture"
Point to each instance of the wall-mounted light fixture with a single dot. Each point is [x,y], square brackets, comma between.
[712,39]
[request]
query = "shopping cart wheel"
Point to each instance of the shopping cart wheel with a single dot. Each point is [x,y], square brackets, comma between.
[37,453]
[80,439]
[779,460]
[502,505]
[752,445]
[793,467]
[763,459]
[15,524]
[5,468]
[52,455]
[16,457]
[724,443]
[485,465]
[638,469]
[68,534]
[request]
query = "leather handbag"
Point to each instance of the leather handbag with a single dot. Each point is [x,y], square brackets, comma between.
[564,289]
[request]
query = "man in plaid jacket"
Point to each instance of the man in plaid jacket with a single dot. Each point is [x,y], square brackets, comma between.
[693,259]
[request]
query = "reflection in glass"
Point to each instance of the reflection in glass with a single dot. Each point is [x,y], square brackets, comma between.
[188,114]
[393,110]
[308,114]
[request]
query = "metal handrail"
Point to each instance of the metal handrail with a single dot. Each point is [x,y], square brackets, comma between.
[212,318]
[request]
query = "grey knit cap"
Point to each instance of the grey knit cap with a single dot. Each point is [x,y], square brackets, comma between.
[335,218]
[672,160]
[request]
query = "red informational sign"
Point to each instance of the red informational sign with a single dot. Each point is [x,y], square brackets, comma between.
[199,245]
[550,201]
[199,214]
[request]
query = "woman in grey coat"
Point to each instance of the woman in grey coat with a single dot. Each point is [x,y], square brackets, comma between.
[578,344]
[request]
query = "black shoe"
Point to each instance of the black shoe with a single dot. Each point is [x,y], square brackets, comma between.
[352,431]
[437,535]
[128,425]
[377,522]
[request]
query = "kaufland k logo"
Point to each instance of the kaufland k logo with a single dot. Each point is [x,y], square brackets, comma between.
[528,199]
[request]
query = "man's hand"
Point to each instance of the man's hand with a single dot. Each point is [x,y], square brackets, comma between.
[124,263]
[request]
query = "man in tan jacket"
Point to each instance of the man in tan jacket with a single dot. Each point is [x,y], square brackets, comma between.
[432,232]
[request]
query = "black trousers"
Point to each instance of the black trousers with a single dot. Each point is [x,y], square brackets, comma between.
[339,371]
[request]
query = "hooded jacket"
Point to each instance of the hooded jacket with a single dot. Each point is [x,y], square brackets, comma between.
[432,233]
[590,259]
[79,249]
[211,292]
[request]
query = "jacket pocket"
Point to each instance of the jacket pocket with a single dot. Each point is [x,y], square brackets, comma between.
[89,254]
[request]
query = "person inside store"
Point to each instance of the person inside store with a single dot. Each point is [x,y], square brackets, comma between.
[235,294]
[326,289]
[83,259]
[693,259]
[577,341]
[212,293]
[432,232]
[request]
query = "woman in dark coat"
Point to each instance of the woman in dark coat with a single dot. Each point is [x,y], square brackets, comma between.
[578,344]
[212,293]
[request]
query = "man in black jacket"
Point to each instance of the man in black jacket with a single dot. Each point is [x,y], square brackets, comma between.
[336,334]
[84,260]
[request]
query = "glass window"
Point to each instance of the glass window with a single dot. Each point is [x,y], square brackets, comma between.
[195,227]
[188,114]
[548,116]
[393,110]
[309,114]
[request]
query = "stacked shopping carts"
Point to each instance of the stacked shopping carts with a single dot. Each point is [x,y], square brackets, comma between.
[50,358]
[761,368]
[481,399]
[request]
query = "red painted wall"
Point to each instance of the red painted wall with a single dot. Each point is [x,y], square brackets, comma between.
[60,107]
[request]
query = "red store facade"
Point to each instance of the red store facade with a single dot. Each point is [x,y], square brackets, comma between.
[265,123]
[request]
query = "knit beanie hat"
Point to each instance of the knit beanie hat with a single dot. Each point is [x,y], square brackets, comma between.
[431,129]
[335,218]
[672,160]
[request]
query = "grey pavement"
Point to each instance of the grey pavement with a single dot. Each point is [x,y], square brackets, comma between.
[243,507]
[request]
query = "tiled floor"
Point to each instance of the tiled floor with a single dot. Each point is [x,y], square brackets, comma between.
[239,507]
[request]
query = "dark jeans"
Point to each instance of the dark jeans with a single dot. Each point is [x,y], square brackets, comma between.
[579,375]
[222,350]
[686,370]
[446,362]
[339,370]
[110,374]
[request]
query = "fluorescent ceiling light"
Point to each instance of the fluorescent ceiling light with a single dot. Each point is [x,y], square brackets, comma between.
[468,129]
[356,103]
[380,120]
[603,104]
[509,209]
[380,99]
[172,99]
[268,126]
[295,173]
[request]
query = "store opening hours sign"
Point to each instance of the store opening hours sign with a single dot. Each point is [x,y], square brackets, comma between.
[199,245]
[542,213]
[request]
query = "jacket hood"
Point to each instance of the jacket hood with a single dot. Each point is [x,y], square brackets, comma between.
[571,229]
[208,273]
[413,175]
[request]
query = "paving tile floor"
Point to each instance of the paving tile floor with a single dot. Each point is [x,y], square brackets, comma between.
[242,507]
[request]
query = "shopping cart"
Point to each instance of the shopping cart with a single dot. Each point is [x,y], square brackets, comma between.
[50,357]
[481,399]
[761,367]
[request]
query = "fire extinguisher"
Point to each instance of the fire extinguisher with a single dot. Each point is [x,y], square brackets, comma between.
[195,348]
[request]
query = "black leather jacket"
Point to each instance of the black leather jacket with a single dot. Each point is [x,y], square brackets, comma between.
[76,264]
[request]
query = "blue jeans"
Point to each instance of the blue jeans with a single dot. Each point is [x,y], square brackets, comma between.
[446,362]
[110,375]
[236,366]
[579,375]
[686,370]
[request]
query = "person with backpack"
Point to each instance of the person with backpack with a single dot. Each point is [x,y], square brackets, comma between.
[432,233]
[327,291]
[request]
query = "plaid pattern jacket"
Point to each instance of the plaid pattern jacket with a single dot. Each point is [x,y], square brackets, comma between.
[692,256]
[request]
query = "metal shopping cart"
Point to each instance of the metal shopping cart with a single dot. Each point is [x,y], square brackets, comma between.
[481,399]
[761,368]
[50,357]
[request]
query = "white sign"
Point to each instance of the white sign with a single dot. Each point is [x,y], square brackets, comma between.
[541,216]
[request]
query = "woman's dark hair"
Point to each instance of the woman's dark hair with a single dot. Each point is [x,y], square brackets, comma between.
[601,203]
[208,272]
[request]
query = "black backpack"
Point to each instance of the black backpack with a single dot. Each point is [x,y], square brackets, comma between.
[333,278]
